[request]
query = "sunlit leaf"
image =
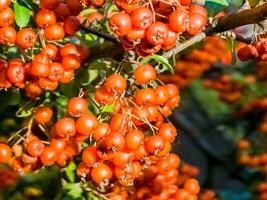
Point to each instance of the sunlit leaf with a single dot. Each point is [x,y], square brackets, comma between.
[70,171]
[22,15]
[162,60]
[108,108]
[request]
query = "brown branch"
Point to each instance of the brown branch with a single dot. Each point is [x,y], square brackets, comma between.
[248,16]
[101,35]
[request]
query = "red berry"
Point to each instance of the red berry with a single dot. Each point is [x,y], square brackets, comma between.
[65,127]
[116,83]
[144,73]
[5,153]
[43,114]
[86,124]
[77,106]
[157,33]
[120,23]
[49,156]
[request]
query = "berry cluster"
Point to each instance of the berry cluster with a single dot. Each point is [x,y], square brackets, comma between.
[257,105]
[147,29]
[187,171]
[7,177]
[159,182]
[262,190]
[261,69]
[229,90]
[257,161]
[124,141]
[254,51]
[198,61]
[35,153]
[122,149]
[53,63]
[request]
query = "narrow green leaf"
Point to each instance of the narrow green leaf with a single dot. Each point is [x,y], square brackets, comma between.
[146,60]
[108,108]
[70,172]
[73,190]
[22,15]
[163,61]
[230,42]
[239,78]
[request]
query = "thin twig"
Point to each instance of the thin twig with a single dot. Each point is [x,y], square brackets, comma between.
[89,189]
[16,134]
[101,35]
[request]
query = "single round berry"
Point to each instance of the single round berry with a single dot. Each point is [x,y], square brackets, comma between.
[43,114]
[144,73]
[49,156]
[101,173]
[5,153]
[77,106]
[65,127]
[116,83]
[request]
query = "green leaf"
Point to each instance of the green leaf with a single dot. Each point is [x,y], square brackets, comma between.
[215,6]
[165,63]
[253,3]
[22,15]
[230,42]
[73,190]
[239,78]
[70,171]
[209,101]
[91,196]
[108,108]
[70,89]
[86,76]
[257,89]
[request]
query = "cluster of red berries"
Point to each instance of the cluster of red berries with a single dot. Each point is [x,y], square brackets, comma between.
[262,190]
[126,140]
[254,51]
[55,62]
[7,177]
[186,172]
[229,90]
[159,181]
[122,148]
[254,161]
[257,162]
[35,153]
[261,69]
[259,105]
[146,30]
[50,67]
[214,51]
